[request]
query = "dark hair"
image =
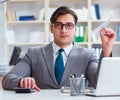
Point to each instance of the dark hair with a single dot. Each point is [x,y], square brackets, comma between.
[62,11]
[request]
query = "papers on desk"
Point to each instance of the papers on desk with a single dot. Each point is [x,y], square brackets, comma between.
[67,90]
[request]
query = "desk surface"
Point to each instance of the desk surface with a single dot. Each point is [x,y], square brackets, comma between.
[48,95]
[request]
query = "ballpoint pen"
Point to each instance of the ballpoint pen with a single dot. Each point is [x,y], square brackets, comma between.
[74,83]
[77,84]
[81,84]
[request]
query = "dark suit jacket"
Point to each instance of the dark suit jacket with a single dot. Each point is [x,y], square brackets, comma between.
[38,63]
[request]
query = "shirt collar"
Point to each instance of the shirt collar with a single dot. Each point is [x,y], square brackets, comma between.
[66,49]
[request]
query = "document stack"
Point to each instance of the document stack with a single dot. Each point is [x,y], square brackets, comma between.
[3,69]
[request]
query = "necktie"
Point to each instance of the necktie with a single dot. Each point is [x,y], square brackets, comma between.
[59,66]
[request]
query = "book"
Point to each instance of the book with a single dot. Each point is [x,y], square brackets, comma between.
[25,18]
[51,11]
[4,69]
[37,37]
[51,38]
[81,13]
[84,13]
[119,33]
[93,13]
[97,10]
[86,34]
[11,16]
[10,36]
[97,51]
[41,15]
[82,33]
[79,37]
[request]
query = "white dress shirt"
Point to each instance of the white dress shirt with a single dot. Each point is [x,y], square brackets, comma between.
[64,54]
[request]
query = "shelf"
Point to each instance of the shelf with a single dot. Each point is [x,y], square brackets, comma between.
[25,0]
[27,44]
[112,20]
[23,29]
[116,43]
[66,1]
[25,22]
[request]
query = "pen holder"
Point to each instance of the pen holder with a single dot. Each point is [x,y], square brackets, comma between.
[77,86]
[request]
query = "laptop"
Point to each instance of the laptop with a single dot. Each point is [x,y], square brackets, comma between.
[108,83]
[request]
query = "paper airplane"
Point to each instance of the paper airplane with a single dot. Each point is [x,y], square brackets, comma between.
[96,32]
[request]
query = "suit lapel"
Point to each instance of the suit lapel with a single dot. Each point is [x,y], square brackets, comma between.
[70,63]
[68,68]
[48,54]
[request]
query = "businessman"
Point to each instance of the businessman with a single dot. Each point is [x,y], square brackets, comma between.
[38,69]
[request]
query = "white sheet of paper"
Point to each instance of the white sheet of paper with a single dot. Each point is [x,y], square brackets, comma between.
[97,30]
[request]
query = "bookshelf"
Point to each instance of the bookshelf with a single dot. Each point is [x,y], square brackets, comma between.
[108,9]
[1,82]
[22,31]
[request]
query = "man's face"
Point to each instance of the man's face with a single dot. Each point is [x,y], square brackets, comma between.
[64,35]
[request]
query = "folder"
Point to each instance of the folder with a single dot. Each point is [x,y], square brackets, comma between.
[15,56]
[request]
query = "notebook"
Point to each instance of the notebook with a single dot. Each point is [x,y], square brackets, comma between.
[108,83]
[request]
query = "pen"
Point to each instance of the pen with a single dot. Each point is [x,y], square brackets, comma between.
[82,88]
[81,84]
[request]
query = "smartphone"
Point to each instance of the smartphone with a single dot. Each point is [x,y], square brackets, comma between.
[23,90]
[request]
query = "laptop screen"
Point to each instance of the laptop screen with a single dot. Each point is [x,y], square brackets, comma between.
[108,79]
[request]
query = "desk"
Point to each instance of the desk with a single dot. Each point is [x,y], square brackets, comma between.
[48,95]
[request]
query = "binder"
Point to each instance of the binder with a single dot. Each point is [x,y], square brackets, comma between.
[15,56]
[25,18]
[97,10]
[80,33]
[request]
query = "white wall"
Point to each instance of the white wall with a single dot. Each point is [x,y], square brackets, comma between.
[2,33]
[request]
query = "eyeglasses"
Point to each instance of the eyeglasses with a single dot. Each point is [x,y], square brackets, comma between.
[59,25]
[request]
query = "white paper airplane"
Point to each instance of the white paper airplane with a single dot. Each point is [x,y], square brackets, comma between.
[96,32]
